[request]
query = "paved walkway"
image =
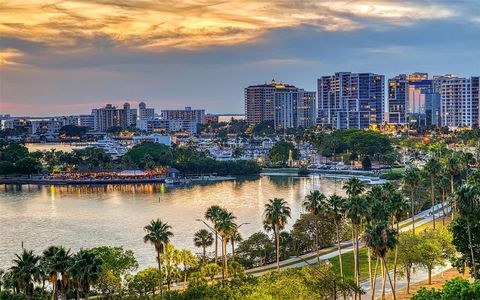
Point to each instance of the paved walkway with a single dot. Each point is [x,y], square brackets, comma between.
[327,253]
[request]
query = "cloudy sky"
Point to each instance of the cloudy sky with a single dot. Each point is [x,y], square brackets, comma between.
[65,57]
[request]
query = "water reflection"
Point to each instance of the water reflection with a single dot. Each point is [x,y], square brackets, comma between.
[86,216]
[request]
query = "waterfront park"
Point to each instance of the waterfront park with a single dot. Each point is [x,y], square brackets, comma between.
[364,241]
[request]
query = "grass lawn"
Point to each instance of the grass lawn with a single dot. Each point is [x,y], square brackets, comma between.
[348,266]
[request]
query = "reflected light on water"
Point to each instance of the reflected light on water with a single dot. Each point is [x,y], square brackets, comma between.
[88,216]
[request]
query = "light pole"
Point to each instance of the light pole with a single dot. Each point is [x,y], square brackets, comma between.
[211,228]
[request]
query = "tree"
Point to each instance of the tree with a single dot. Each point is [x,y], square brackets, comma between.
[411,178]
[367,163]
[210,270]
[28,165]
[281,150]
[143,282]
[467,198]
[188,260]
[235,238]
[203,238]
[314,203]
[433,168]
[453,167]
[212,214]
[116,260]
[335,207]
[311,232]
[26,270]
[276,214]
[73,131]
[355,210]
[433,249]
[85,270]
[354,186]
[408,254]
[57,261]
[226,227]
[381,238]
[158,234]
[255,251]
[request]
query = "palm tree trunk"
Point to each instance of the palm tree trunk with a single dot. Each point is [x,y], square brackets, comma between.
[339,248]
[372,289]
[233,250]
[216,247]
[277,244]
[203,258]
[160,281]
[470,245]
[369,255]
[429,270]
[389,279]
[395,260]
[316,245]
[452,205]
[443,206]
[408,272]
[433,200]
[412,200]
[224,258]
[358,255]
[354,256]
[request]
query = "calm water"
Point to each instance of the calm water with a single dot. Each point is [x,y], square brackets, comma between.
[115,215]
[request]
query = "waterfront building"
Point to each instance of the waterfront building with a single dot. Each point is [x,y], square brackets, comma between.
[160,125]
[164,139]
[259,106]
[145,113]
[412,99]
[293,109]
[227,118]
[110,116]
[459,100]
[351,100]
[187,114]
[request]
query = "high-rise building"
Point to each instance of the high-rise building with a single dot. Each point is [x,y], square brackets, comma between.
[259,106]
[294,109]
[145,113]
[459,100]
[351,100]
[413,100]
[109,116]
[187,114]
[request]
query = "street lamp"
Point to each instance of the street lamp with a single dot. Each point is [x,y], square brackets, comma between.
[211,228]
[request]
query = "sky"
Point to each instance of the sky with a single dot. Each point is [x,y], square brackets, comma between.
[67,57]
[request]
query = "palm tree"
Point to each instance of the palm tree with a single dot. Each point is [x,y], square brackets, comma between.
[212,214]
[314,203]
[188,261]
[453,166]
[381,238]
[57,261]
[276,214]
[203,238]
[399,207]
[354,186]
[433,168]
[25,271]
[355,210]
[235,238]
[226,227]
[411,179]
[335,206]
[85,270]
[158,234]
[444,185]
[468,201]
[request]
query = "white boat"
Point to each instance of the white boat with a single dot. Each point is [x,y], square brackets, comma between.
[110,146]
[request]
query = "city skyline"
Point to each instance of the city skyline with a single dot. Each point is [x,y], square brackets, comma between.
[123,52]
